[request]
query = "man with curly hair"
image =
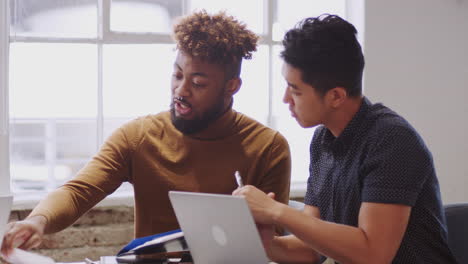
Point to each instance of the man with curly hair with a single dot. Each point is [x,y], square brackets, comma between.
[372,194]
[196,146]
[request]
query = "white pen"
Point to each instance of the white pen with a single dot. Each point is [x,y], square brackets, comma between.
[238,179]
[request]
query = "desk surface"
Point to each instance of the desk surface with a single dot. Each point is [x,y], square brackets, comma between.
[103,260]
[111,260]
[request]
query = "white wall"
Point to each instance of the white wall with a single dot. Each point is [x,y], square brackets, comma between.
[417,64]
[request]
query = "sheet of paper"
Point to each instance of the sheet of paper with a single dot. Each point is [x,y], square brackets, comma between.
[19,256]
[108,260]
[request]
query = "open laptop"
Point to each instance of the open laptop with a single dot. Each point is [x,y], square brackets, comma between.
[218,228]
[5,207]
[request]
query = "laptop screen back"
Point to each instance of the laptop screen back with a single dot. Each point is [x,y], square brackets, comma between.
[218,228]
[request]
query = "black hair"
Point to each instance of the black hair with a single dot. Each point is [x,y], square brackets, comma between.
[326,51]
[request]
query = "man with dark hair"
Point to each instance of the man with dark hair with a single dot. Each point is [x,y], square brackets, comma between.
[372,194]
[196,146]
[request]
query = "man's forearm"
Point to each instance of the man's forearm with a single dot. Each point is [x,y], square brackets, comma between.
[345,244]
[289,249]
[337,241]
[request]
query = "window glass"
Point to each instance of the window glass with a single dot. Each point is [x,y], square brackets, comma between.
[290,12]
[76,143]
[53,89]
[144,16]
[252,98]
[50,111]
[247,11]
[53,18]
[51,154]
[70,134]
[136,81]
[27,142]
[61,80]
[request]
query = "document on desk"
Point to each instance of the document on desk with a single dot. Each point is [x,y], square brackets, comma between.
[108,260]
[102,260]
[19,256]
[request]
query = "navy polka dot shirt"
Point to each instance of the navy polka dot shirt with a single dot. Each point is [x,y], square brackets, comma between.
[380,158]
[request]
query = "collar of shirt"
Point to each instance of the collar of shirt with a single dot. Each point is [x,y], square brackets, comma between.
[343,141]
[222,127]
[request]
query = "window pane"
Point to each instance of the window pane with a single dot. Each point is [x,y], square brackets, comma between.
[28,130]
[60,80]
[76,140]
[298,137]
[252,98]
[54,18]
[51,152]
[76,143]
[247,11]
[136,81]
[51,109]
[144,16]
[27,151]
[36,176]
[290,12]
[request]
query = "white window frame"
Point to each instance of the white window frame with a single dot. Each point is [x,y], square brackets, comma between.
[4,116]
[354,12]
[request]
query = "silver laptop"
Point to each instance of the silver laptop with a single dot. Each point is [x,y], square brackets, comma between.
[218,228]
[5,207]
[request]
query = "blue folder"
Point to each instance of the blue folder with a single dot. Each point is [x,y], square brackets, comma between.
[159,243]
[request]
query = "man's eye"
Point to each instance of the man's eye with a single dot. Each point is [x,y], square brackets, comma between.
[197,85]
[177,76]
[293,91]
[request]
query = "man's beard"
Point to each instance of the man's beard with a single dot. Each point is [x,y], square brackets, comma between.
[197,124]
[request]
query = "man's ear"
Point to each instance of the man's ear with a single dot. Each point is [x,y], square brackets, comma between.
[336,96]
[232,86]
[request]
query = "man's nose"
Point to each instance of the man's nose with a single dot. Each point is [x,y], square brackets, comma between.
[183,89]
[286,96]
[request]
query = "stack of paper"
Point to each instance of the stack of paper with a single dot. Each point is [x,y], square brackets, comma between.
[19,256]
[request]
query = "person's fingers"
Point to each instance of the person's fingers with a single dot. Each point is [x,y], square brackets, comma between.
[4,251]
[236,192]
[32,242]
[12,231]
[271,195]
[17,236]
[20,238]
[11,235]
[241,190]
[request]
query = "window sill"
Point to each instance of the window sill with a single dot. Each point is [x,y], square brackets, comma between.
[125,198]
[29,201]
[298,189]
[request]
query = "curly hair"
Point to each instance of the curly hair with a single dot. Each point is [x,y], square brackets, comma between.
[327,52]
[217,38]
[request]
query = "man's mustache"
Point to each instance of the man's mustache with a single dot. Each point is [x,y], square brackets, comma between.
[182,100]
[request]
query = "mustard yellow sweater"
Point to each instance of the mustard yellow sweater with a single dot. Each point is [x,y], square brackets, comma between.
[155,157]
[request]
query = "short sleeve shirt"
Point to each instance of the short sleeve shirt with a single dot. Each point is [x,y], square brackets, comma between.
[380,158]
